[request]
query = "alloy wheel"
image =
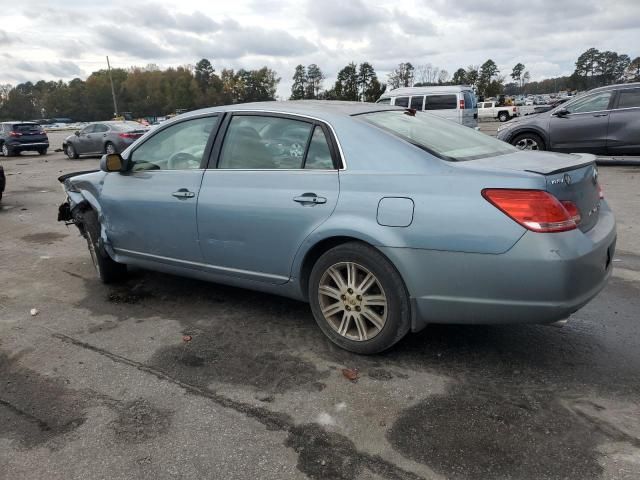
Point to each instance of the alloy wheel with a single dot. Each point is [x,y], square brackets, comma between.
[526,144]
[5,150]
[353,301]
[110,148]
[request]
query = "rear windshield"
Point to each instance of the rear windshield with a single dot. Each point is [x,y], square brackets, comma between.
[26,127]
[443,138]
[127,126]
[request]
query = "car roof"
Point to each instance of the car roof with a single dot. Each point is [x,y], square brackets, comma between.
[424,90]
[325,110]
[615,87]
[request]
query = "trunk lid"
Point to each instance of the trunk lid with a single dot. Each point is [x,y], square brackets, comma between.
[572,177]
[28,133]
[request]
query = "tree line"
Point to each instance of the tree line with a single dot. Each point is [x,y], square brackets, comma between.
[151,91]
[145,92]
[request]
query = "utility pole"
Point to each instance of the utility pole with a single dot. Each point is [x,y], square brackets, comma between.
[113,91]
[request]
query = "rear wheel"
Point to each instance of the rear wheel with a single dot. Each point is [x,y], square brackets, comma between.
[108,270]
[359,299]
[42,151]
[503,116]
[71,152]
[6,151]
[528,141]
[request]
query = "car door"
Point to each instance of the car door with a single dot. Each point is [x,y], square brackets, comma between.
[98,137]
[624,123]
[470,111]
[149,211]
[584,127]
[84,139]
[276,181]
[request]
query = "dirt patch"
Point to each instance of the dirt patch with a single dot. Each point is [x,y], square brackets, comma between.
[475,432]
[34,408]
[139,421]
[44,238]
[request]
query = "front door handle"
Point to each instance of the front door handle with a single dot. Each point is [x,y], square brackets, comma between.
[600,114]
[183,194]
[309,199]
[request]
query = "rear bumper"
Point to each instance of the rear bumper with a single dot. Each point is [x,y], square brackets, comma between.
[542,279]
[22,147]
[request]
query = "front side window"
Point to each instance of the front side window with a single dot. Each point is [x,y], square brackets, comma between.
[99,128]
[629,98]
[88,129]
[402,101]
[441,102]
[416,102]
[442,138]
[255,142]
[178,147]
[384,101]
[592,103]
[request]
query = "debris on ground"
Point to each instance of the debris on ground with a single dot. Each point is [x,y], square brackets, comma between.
[350,374]
[34,312]
[187,338]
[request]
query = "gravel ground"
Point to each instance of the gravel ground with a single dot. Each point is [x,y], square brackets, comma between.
[103,383]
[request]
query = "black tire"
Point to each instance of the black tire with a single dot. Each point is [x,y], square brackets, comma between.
[6,150]
[42,151]
[528,141]
[398,307]
[71,152]
[503,116]
[109,271]
[110,146]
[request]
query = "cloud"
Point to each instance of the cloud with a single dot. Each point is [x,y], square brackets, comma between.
[126,41]
[159,18]
[5,38]
[341,14]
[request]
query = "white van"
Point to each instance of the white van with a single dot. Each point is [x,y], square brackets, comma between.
[457,103]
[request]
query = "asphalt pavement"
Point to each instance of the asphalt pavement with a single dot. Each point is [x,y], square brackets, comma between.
[163,377]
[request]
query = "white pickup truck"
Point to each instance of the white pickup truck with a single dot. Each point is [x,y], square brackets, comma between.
[491,110]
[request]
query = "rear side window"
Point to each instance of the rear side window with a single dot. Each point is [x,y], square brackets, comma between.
[402,101]
[384,101]
[416,102]
[264,143]
[319,155]
[441,102]
[629,98]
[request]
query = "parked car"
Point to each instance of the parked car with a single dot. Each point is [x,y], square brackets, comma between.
[550,106]
[492,110]
[383,218]
[3,181]
[605,120]
[103,137]
[16,137]
[457,103]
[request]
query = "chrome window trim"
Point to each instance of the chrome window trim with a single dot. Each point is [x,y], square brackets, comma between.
[301,115]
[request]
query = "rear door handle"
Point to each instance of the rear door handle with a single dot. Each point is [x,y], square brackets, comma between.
[309,199]
[183,194]
[600,114]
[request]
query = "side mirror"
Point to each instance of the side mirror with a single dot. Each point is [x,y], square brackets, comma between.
[77,133]
[562,112]
[111,162]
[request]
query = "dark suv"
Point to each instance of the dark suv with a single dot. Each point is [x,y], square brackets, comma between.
[605,120]
[16,137]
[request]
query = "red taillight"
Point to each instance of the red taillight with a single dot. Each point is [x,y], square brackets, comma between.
[129,135]
[461,104]
[536,210]
[15,134]
[572,210]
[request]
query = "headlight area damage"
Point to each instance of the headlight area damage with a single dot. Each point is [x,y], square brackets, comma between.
[66,209]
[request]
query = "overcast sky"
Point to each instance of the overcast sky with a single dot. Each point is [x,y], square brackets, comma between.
[52,40]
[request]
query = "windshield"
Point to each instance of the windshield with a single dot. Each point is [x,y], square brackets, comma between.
[443,138]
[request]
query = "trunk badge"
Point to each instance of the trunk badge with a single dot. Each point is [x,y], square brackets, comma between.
[567,179]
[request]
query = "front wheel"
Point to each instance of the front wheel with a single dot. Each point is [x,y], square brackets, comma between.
[359,299]
[71,152]
[528,141]
[6,151]
[108,270]
[42,151]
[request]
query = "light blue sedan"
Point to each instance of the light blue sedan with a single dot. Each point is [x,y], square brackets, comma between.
[384,219]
